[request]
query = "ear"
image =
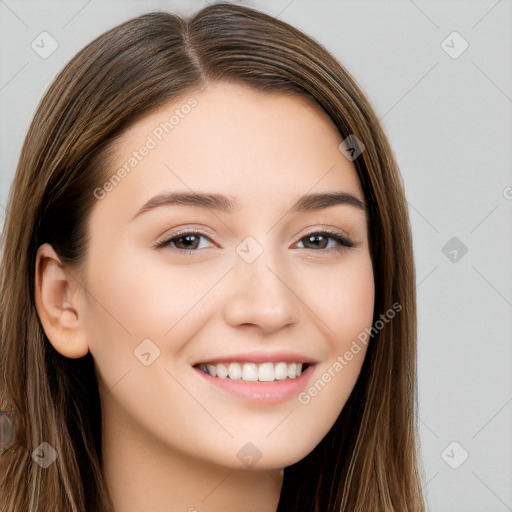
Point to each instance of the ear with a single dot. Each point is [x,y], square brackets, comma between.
[57,298]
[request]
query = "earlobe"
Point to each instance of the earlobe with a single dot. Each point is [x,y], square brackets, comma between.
[58,305]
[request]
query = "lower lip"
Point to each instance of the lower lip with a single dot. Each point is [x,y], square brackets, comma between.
[261,392]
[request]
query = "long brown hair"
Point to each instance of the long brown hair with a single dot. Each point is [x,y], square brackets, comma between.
[368,461]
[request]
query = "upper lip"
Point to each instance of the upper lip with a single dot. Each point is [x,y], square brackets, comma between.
[260,357]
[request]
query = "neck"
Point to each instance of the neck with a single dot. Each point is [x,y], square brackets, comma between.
[144,475]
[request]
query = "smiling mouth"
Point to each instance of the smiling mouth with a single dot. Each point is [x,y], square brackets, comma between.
[252,372]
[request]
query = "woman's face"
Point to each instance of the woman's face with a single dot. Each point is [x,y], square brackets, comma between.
[178,282]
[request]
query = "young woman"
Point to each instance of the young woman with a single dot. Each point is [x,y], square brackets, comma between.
[207,283]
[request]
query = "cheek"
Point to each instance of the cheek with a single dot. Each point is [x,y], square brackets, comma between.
[346,302]
[348,307]
[130,300]
[149,295]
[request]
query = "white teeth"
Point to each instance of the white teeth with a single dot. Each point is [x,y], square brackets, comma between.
[211,369]
[266,372]
[280,372]
[291,370]
[235,372]
[222,371]
[252,372]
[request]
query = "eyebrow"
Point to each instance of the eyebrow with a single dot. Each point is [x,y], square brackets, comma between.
[223,203]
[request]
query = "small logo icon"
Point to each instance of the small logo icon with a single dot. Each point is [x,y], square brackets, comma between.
[45,455]
[454,455]
[454,249]
[249,249]
[249,454]
[146,352]
[454,45]
[7,435]
[44,45]
[351,147]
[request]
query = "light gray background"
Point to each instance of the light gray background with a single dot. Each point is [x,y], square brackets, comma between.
[449,121]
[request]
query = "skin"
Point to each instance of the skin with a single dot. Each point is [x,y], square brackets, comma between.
[170,438]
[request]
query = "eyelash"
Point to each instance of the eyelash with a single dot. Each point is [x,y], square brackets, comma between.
[344,243]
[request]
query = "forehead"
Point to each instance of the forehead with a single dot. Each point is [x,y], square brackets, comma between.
[232,139]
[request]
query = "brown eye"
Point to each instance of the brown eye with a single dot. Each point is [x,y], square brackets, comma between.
[320,240]
[187,241]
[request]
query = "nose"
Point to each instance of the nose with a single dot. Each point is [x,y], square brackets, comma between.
[261,294]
